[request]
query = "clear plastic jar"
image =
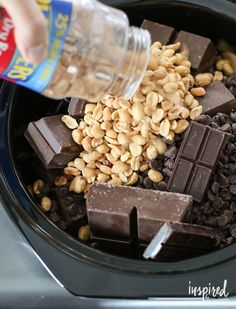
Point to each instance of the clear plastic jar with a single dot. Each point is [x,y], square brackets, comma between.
[101,54]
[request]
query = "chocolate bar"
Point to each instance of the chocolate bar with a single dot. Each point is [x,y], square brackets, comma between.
[120,211]
[159,32]
[175,241]
[76,107]
[201,50]
[196,160]
[72,208]
[217,99]
[52,141]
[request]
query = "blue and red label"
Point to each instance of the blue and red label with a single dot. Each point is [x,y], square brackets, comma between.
[12,65]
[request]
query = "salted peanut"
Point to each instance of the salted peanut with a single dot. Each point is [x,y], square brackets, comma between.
[186,63]
[77,136]
[155,176]
[145,129]
[173,125]
[132,179]
[166,105]
[182,70]
[168,52]
[220,64]
[189,99]
[125,104]
[134,163]
[165,62]
[125,156]
[153,99]
[97,112]
[87,144]
[103,149]
[88,172]
[143,167]
[71,163]
[115,116]
[116,104]
[149,110]
[231,57]
[96,142]
[139,140]
[159,73]
[106,114]
[101,177]
[111,133]
[170,87]
[194,104]
[173,77]
[203,79]
[115,154]
[112,141]
[37,186]
[170,136]
[78,184]
[198,92]
[82,125]
[105,169]
[120,150]
[165,127]
[119,167]
[160,145]
[91,165]
[116,181]
[158,115]
[174,46]
[46,203]
[163,81]
[184,113]
[182,125]
[60,181]
[151,152]
[79,164]
[196,112]
[92,156]
[123,178]
[110,158]
[89,120]
[145,89]
[89,108]
[84,233]
[227,69]
[106,125]
[96,131]
[178,58]
[138,97]
[135,149]
[138,111]
[218,75]
[124,115]
[155,127]
[70,122]
[123,139]
[71,171]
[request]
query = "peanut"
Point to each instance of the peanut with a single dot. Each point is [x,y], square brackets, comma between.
[155,176]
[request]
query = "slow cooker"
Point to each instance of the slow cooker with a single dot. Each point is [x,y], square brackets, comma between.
[83,270]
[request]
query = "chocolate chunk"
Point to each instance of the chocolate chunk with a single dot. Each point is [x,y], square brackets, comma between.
[222,220]
[232,189]
[178,241]
[201,50]
[161,33]
[76,107]
[232,178]
[117,211]
[197,158]
[73,209]
[52,141]
[217,99]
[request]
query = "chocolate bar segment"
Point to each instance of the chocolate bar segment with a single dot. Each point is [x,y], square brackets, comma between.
[52,141]
[176,241]
[72,207]
[201,50]
[121,212]
[196,160]
[159,32]
[217,99]
[76,107]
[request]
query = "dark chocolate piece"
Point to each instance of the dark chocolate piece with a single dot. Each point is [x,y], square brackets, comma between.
[176,241]
[72,207]
[159,32]
[52,141]
[201,50]
[196,160]
[76,107]
[112,211]
[217,99]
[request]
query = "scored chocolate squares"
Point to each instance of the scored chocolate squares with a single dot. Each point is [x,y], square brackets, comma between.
[175,241]
[196,160]
[52,141]
[120,212]
[76,107]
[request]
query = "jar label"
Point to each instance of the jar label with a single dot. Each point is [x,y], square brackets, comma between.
[12,65]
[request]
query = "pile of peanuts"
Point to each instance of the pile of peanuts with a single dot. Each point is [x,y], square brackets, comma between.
[121,136]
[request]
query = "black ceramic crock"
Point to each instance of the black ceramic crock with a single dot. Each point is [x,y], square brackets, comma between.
[81,269]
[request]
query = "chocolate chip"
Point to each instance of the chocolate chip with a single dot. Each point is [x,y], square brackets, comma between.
[204,119]
[223,180]
[162,186]
[167,172]
[217,203]
[232,178]
[55,217]
[225,194]
[169,164]
[225,127]
[232,189]
[233,232]
[210,195]
[215,187]
[214,125]
[233,116]
[222,220]
[171,152]
[229,214]
[233,206]
[147,183]
[233,127]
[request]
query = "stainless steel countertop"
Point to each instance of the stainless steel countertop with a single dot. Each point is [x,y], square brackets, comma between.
[25,282]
